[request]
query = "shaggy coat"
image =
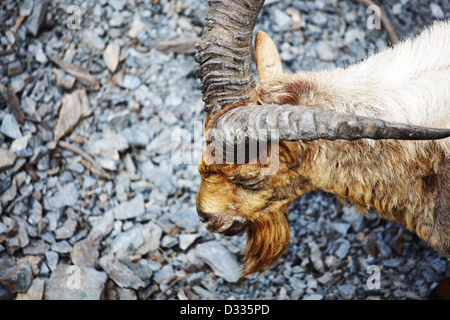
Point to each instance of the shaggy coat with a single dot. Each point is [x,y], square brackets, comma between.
[407,182]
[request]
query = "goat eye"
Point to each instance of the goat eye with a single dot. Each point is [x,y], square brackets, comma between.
[253,185]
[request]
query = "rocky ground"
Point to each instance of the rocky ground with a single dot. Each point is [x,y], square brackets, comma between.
[93,196]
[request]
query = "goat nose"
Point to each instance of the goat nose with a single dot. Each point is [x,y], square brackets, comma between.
[201,215]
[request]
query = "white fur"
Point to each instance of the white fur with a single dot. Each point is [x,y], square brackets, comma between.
[409,83]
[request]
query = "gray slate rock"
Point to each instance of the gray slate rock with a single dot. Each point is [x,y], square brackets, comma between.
[347,292]
[130,209]
[67,230]
[160,175]
[92,40]
[10,127]
[141,239]
[185,218]
[37,18]
[85,253]
[164,275]
[7,159]
[186,240]
[62,247]
[282,21]
[66,196]
[316,257]
[52,259]
[437,11]
[14,276]
[327,51]
[36,247]
[104,224]
[129,81]
[64,285]
[151,234]
[35,291]
[126,274]
[26,8]
[221,261]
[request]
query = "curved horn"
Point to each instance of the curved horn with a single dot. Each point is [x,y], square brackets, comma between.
[224,53]
[308,123]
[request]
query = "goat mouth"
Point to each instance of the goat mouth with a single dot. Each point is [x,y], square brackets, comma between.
[236,227]
[226,224]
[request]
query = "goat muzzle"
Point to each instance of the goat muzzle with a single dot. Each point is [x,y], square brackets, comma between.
[224,223]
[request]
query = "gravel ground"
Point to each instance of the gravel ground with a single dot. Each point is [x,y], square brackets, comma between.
[91,196]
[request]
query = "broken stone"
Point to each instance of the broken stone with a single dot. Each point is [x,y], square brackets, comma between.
[185,218]
[26,8]
[85,254]
[35,291]
[74,106]
[37,18]
[111,56]
[104,224]
[16,277]
[370,244]
[66,196]
[222,262]
[40,54]
[129,81]
[126,243]
[186,240]
[92,40]
[20,143]
[66,230]
[35,263]
[139,240]
[168,241]
[19,238]
[10,127]
[136,26]
[315,257]
[108,145]
[130,209]
[75,283]
[126,274]
[52,259]
[15,68]
[62,247]
[116,20]
[36,247]
[151,234]
[7,159]
[327,51]
[64,80]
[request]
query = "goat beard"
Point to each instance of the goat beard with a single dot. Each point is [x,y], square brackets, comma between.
[267,239]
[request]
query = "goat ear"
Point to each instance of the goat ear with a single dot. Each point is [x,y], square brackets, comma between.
[267,59]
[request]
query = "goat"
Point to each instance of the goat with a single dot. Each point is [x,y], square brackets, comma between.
[351,132]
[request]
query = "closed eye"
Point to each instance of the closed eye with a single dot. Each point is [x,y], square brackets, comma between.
[253,184]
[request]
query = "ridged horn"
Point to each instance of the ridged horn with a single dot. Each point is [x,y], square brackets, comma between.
[307,123]
[224,53]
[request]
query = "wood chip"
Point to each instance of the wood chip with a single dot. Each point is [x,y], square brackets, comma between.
[296,19]
[74,106]
[87,160]
[180,45]
[111,56]
[81,74]
[14,104]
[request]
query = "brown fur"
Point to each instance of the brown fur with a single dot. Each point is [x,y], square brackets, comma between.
[384,176]
[407,182]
